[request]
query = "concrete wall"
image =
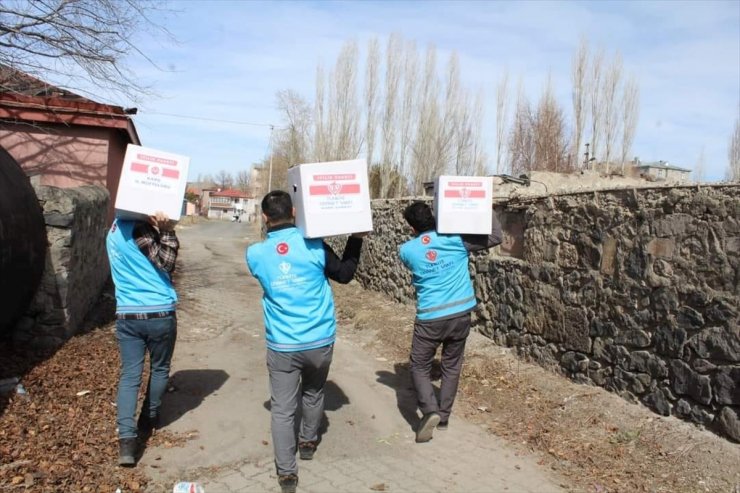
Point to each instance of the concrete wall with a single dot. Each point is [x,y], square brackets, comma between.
[633,290]
[76,264]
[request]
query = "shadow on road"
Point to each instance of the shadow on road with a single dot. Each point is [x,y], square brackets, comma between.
[400,382]
[189,389]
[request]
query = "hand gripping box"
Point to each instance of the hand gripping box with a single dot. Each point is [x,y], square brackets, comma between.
[463,204]
[151,181]
[331,198]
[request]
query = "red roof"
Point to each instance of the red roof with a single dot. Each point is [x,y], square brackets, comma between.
[27,99]
[237,194]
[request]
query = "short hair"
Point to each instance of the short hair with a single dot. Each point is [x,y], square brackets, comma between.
[419,216]
[277,206]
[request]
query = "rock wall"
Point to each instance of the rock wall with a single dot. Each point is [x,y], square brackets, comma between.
[76,264]
[633,290]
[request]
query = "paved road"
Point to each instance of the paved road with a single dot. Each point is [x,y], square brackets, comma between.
[220,399]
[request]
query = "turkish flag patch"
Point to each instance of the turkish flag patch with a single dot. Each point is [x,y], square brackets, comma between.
[426,239]
[282,248]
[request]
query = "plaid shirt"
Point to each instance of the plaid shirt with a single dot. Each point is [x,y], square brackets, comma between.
[159,247]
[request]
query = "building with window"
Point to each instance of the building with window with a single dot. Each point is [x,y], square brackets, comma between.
[230,203]
[662,171]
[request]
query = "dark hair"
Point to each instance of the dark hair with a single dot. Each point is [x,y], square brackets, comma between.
[277,206]
[419,216]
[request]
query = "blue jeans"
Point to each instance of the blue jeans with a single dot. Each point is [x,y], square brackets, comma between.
[135,337]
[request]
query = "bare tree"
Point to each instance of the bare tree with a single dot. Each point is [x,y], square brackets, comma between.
[550,139]
[321,135]
[206,181]
[223,179]
[612,80]
[343,107]
[733,153]
[427,127]
[579,72]
[80,41]
[243,180]
[452,138]
[594,89]
[630,116]
[408,106]
[295,136]
[477,148]
[501,119]
[371,96]
[424,158]
[388,164]
[278,161]
[462,138]
[521,142]
[700,167]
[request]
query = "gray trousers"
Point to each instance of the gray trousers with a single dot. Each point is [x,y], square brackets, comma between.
[291,373]
[451,334]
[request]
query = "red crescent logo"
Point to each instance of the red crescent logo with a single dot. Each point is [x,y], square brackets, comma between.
[425,239]
[282,248]
[431,255]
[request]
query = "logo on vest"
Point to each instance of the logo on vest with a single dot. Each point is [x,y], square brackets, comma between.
[426,239]
[284,267]
[431,255]
[282,248]
[334,188]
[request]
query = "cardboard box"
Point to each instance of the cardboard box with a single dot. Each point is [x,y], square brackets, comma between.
[331,198]
[463,204]
[151,181]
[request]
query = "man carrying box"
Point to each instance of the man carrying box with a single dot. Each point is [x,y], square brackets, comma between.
[300,326]
[444,299]
[142,258]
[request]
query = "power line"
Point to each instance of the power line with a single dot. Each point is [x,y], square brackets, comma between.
[217,120]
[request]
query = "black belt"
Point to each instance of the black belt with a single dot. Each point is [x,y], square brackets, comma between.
[144,316]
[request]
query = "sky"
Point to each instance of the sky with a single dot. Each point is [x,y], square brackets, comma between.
[231,58]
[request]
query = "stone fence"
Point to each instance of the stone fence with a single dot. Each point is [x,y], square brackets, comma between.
[76,264]
[634,290]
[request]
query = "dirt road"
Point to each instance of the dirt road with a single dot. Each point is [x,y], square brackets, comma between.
[220,398]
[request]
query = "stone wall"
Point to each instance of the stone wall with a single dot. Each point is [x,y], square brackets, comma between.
[634,290]
[76,264]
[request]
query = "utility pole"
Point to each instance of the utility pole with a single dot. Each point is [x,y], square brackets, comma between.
[269,180]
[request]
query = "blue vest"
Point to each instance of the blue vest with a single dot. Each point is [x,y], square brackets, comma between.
[297,302]
[439,269]
[140,286]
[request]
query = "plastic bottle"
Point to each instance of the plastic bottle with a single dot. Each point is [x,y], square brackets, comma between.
[188,487]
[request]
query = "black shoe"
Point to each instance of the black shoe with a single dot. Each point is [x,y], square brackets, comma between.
[426,427]
[127,452]
[306,450]
[146,424]
[442,426]
[288,483]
